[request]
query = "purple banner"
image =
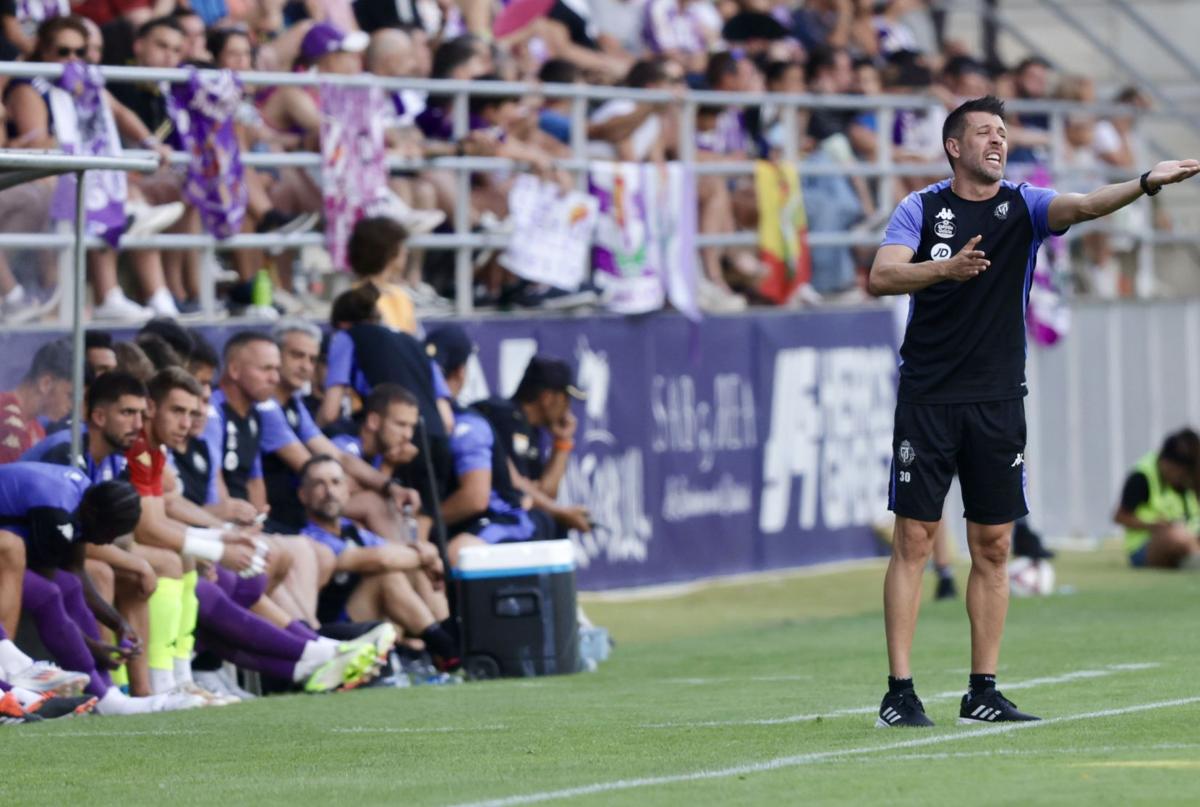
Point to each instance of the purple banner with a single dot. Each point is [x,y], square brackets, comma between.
[744,444]
[202,110]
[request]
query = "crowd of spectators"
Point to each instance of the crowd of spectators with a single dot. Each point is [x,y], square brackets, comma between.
[860,47]
[286,505]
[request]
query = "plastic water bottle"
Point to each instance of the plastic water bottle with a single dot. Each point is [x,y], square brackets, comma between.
[412,530]
[261,295]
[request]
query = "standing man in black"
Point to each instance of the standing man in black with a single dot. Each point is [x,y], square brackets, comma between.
[964,250]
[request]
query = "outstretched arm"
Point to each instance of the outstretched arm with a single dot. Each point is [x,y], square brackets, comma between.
[1071,208]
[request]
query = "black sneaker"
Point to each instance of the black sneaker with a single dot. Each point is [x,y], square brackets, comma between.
[989,706]
[946,590]
[901,709]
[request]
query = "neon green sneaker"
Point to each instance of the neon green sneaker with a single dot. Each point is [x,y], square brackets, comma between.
[383,636]
[353,666]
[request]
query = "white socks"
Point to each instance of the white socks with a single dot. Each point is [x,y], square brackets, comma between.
[315,654]
[183,671]
[161,680]
[116,702]
[12,660]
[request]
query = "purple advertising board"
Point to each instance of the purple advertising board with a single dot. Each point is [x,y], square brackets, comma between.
[739,444]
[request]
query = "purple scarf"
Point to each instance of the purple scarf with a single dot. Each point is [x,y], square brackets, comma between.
[83,124]
[202,110]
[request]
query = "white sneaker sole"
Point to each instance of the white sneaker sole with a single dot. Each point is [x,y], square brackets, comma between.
[970,721]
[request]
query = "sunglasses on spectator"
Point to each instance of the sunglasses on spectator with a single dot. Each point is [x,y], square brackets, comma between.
[65,51]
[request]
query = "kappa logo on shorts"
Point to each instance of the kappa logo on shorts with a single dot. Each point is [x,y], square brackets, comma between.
[906,454]
[940,252]
[945,226]
[1001,211]
[1020,460]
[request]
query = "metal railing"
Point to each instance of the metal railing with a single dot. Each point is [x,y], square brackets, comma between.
[462,241]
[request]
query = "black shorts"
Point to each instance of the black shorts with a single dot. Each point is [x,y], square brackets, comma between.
[984,443]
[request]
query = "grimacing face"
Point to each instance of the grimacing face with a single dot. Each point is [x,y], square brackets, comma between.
[982,150]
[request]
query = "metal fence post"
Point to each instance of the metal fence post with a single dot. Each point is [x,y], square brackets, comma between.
[886,187]
[79,283]
[464,274]
[579,139]
[208,281]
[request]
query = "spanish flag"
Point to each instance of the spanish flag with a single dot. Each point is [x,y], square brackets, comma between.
[782,230]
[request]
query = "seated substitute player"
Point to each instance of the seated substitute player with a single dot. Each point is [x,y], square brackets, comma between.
[58,515]
[299,344]
[374,579]
[482,506]
[212,608]
[964,249]
[43,396]
[1159,508]
[542,402]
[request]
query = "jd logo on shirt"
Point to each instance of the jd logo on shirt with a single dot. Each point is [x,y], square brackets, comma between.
[940,252]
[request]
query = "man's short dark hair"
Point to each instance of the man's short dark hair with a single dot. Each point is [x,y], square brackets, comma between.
[148,27]
[1031,61]
[374,244]
[355,306]
[172,378]
[956,121]
[158,350]
[313,462]
[645,73]
[110,388]
[820,59]
[52,359]
[384,396]
[1183,449]
[181,340]
[203,354]
[240,340]
[559,71]
[451,55]
[132,359]
[97,340]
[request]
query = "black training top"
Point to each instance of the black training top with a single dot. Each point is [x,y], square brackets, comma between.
[965,341]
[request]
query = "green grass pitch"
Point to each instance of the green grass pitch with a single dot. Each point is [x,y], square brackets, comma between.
[755,693]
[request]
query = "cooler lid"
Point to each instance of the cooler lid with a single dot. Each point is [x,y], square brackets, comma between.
[529,557]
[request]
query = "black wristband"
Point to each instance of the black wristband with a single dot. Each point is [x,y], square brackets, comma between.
[1146,185]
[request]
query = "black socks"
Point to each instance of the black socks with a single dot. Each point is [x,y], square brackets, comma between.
[898,685]
[982,681]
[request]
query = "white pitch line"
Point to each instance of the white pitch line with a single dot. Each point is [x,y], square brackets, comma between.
[764,679]
[403,730]
[26,735]
[1077,675]
[819,756]
[1041,753]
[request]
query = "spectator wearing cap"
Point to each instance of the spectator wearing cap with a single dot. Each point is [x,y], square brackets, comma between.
[43,396]
[539,413]
[482,506]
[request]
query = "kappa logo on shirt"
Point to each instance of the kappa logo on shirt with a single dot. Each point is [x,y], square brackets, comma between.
[68,531]
[945,226]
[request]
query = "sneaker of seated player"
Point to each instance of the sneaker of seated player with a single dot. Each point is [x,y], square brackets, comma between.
[354,665]
[12,713]
[53,708]
[210,698]
[45,677]
[116,702]
[902,709]
[223,682]
[989,706]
